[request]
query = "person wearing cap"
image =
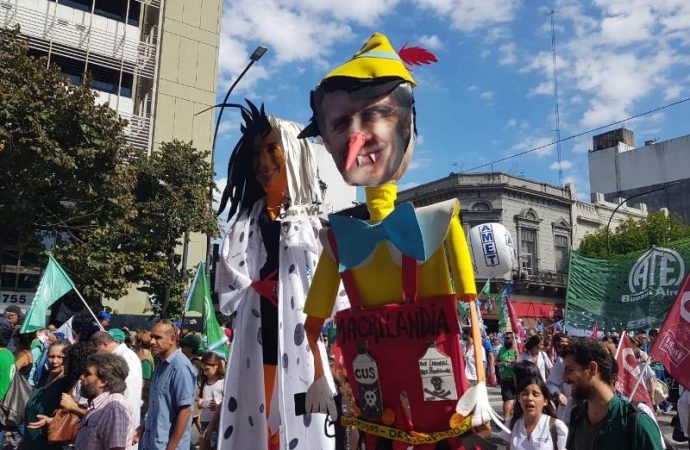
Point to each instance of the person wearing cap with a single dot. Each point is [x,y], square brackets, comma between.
[15,317]
[364,111]
[268,256]
[112,341]
[104,319]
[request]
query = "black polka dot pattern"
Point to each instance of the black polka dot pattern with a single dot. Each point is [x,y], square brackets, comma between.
[292,302]
[251,421]
[285,361]
[293,444]
[292,268]
[307,419]
[259,337]
[256,313]
[228,432]
[232,404]
[299,334]
[261,408]
[242,236]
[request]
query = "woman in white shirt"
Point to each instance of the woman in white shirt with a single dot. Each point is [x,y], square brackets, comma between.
[470,368]
[534,425]
[534,353]
[213,367]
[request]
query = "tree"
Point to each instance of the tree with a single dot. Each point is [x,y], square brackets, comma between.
[63,175]
[172,192]
[631,235]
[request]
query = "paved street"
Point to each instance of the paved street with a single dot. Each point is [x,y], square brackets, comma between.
[664,419]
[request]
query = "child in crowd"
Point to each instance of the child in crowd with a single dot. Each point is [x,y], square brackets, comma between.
[211,398]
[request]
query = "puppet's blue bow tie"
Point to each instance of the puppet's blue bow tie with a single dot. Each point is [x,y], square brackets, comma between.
[357,239]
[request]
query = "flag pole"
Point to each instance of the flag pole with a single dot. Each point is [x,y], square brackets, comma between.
[639,380]
[618,349]
[87,307]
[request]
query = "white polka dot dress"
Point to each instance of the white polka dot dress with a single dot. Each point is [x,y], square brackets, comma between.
[243,421]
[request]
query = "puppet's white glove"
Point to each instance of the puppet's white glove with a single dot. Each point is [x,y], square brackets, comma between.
[319,398]
[475,402]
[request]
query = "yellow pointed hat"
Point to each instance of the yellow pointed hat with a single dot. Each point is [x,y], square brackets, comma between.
[376,59]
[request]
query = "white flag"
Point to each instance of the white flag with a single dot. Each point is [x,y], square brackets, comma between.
[66,330]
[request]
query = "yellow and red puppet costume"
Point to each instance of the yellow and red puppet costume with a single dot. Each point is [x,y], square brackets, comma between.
[400,338]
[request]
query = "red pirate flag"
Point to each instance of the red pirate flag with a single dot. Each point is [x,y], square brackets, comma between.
[629,382]
[672,346]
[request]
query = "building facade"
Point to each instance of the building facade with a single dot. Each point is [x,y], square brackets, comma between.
[656,173]
[546,222]
[152,61]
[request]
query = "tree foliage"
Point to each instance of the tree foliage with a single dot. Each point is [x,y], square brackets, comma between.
[62,173]
[172,192]
[631,235]
[68,180]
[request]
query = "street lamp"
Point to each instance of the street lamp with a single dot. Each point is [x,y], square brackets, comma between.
[608,225]
[254,57]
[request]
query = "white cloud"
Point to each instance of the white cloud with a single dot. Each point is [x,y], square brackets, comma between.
[220,185]
[472,87]
[507,53]
[431,42]
[542,143]
[616,55]
[419,140]
[419,162]
[471,15]
[511,123]
[487,95]
[564,165]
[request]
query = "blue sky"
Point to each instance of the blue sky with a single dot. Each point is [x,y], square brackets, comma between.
[491,93]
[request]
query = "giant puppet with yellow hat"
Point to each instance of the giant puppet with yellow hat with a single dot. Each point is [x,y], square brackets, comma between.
[403,270]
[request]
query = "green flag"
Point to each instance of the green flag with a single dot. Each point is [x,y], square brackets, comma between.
[625,292]
[199,300]
[485,293]
[54,284]
[502,309]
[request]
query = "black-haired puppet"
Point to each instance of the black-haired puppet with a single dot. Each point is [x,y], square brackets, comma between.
[267,259]
[400,338]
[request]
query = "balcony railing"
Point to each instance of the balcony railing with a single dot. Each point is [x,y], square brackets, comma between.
[137,131]
[545,277]
[48,32]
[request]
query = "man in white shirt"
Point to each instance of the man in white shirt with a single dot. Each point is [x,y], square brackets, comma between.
[560,390]
[107,342]
[470,367]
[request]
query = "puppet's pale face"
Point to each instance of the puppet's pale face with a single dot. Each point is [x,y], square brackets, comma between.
[269,162]
[383,129]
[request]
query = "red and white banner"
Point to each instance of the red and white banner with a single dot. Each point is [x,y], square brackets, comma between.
[672,346]
[629,374]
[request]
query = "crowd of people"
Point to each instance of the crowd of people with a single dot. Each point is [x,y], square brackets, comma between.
[147,389]
[108,388]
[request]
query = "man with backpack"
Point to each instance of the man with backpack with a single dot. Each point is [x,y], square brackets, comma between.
[602,420]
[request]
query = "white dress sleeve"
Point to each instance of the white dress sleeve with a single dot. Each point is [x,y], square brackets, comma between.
[561,434]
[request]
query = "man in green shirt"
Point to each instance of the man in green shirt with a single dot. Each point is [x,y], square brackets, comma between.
[507,356]
[602,420]
[7,367]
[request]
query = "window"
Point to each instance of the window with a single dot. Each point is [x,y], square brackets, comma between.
[561,253]
[112,9]
[528,249]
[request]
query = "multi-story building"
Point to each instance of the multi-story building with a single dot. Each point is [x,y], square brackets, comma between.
[153,61]
[656,173]
[546,222]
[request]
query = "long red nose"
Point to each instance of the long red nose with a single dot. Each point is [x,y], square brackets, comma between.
[356,143]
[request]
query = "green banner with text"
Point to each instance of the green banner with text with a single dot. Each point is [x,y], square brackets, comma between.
[624,292]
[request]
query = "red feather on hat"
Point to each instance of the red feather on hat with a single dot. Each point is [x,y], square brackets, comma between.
[416,56]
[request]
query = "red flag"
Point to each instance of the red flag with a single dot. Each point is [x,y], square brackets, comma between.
[629,372]
[672,346]
[595,330]
[518,331]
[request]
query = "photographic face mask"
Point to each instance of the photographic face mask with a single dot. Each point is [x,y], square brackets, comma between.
[269,162]
[369,139]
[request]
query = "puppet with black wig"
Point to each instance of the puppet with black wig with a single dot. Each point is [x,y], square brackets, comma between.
[267,258]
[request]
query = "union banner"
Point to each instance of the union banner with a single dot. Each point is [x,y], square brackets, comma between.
[625,292]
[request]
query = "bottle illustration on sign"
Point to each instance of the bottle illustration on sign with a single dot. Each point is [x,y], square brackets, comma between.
[436,370]
[368,385]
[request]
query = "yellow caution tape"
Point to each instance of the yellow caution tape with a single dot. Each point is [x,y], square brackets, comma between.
[402,436]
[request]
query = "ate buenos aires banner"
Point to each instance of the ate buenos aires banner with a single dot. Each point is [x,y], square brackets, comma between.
[624,292]
[672,346]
